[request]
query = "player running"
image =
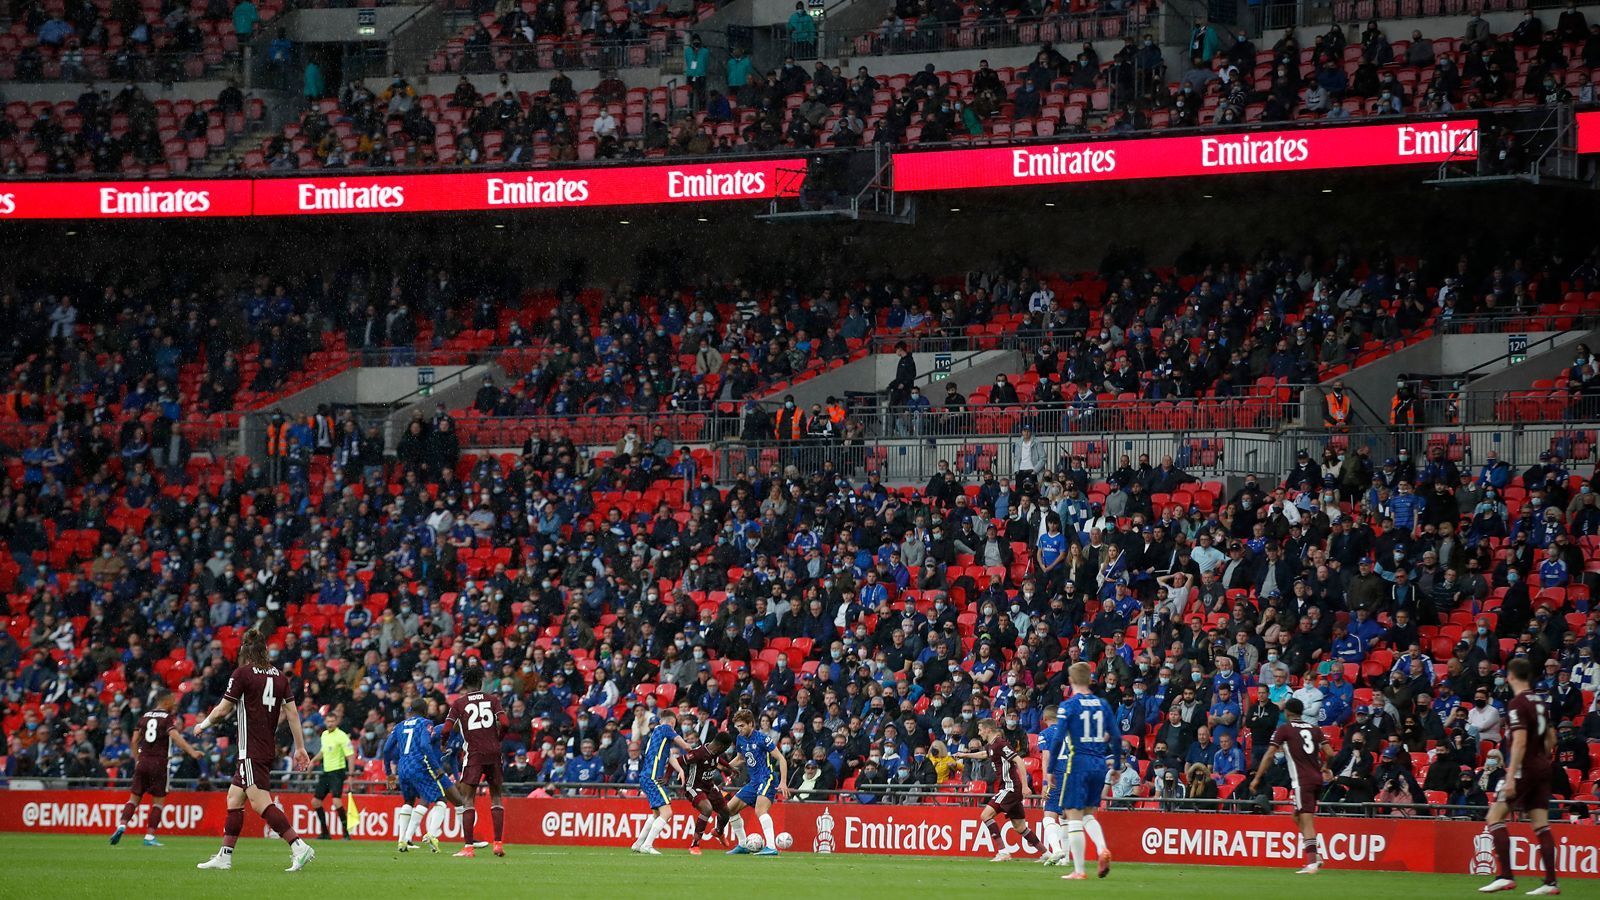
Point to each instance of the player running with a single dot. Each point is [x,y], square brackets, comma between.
[1012,773]
[152,735]
[1527,786]
[1049,749]
[761,786]
[1308,750]
[701,776]
[259,697]
[409,756]
[481,722]
[659,741]
[1088,735]
[334,753]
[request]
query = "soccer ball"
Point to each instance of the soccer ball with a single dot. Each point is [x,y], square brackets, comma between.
[785,840]
[753,842]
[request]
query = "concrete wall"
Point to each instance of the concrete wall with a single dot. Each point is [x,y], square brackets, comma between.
[1548,364]
[308,26]
[374,386]
[452,394]
[1439,355]
[1460,353]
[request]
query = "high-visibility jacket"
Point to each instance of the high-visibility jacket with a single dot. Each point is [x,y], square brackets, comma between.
[789,425]
[1403,410]
[277,438]
[836,414]
[1338,411]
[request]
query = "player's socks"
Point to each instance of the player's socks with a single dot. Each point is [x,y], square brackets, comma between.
[322,824]
[700,825]
[277,821]
[1091,827]
[151,823]
[1030,841]
[402,824]
[768,832]
[661,825]
[1052,838]
[129,810]
[1502,848]
[648,833]
[436,818]
[469,817]
[497,814]
[1547,853]
[1076,846]
[1313,850]
[736,822]
[232,827]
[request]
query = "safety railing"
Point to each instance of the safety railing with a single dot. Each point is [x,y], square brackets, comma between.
[31,441]
[1250,409]
[949,794]
[77,62]
[926,35]
[913,460]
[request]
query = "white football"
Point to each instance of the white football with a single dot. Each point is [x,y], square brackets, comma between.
[753,842]
[785,840]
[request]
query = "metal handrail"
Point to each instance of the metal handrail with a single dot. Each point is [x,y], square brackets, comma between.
[923,36]
[898,795]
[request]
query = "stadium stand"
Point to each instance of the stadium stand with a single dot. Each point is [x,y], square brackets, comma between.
[100,39]
[588,578]
[624,521]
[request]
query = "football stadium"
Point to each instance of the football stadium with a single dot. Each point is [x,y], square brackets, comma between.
[921,445]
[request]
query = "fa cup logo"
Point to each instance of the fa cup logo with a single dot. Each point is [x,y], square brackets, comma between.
[1483,861]
[824,841]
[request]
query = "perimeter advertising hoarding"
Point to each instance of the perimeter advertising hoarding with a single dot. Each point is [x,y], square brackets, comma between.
[1385,844]
[1191,155]
[356,191]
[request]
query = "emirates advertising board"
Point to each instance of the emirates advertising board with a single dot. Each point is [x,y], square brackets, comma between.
[1191,155]
[364,192]
[1184,838]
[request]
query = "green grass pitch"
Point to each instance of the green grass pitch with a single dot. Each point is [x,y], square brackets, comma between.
[38,867]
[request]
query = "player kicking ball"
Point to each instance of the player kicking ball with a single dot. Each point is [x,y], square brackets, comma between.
[658,741]
[259,697]
[1308,751]
[1528,781]
[701,774]
[1010,768]
[757,751]
[1087,734]
[152,737]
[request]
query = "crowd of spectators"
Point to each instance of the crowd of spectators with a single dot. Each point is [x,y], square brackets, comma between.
[575,35]
[126,39]
[1229,81]
[122,131]
[869,626]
